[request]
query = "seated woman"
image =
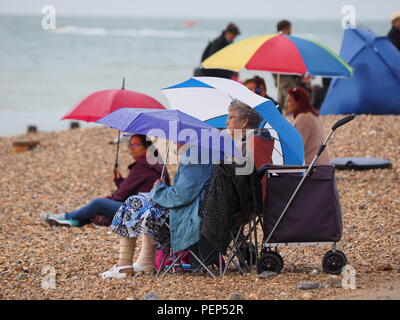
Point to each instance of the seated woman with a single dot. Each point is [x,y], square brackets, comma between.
[306,120]
[241,121]
[147,214]
[141,178]
[233,193]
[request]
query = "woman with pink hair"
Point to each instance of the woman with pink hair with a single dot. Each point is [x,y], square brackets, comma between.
[306,120]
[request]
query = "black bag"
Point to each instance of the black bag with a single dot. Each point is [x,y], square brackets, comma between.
[314,215]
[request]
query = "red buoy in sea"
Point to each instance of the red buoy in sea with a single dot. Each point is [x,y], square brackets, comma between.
[190,23]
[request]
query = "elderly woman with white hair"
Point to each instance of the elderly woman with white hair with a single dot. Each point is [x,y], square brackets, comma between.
[241,118]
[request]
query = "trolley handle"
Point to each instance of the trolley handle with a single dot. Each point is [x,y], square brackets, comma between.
[343,121]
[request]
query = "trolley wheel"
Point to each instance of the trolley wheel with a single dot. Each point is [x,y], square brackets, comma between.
[245,250]
[265,251]
[270,261]
[334,261]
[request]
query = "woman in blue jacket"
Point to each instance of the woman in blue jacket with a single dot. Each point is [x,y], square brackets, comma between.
[146,214]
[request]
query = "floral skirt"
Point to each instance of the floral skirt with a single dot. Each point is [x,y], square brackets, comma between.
[140,215]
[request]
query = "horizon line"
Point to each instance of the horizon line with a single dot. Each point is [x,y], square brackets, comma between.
[184,17]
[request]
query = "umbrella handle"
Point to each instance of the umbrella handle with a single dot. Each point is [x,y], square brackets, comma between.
[166,159]
[116,158]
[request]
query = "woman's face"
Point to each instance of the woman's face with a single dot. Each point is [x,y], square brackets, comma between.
[291,104]
[136,148]
[234,123]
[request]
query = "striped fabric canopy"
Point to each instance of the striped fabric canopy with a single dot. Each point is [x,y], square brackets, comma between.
[281,54]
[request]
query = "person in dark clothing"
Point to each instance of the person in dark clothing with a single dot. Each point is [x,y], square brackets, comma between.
[141,178]
[394,33]
[319,93]
[227,37]
[284,26]
[284,82]
[257,85]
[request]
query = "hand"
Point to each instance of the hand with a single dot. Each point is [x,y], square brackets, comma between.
[117,174]
[157,182]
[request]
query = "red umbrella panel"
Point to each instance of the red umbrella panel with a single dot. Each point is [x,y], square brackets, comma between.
[99,104]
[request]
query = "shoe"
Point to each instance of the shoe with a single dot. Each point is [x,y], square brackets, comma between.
[46,216]
[147,269]
[114,272]
[59,220]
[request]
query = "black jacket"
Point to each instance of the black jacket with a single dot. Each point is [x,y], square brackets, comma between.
[229,197]
[215,46]
[394,36]
[212,48]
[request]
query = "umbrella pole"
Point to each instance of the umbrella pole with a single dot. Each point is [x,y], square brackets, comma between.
[166,159]
[116,159]
[279,91]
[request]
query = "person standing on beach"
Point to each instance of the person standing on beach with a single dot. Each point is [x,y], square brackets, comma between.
[226,38]
[141,178]
[286,82]
[394,33]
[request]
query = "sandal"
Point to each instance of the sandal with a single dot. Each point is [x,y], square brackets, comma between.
[115,272]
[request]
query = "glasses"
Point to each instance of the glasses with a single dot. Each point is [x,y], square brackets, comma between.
[134,145]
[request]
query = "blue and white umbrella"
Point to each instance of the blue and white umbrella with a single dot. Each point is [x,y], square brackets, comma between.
[208,98]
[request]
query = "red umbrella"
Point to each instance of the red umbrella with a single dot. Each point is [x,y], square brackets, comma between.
[101,103]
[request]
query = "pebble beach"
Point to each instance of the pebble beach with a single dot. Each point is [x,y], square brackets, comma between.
[69,168]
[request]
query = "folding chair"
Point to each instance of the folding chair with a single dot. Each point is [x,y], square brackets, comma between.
[262,145]
[175,264]
[243,249]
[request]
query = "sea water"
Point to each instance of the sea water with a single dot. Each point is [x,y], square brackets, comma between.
[45,73]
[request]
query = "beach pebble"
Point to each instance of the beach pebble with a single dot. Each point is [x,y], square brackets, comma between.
[308,296]
[383,298]
[150,296]
[309,285]
[315,272]
[385,267]
[20,277]
[236,296]
[334,282]
[268,274]
[299,270]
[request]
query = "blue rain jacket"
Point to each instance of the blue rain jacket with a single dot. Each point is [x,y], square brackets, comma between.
[183,199]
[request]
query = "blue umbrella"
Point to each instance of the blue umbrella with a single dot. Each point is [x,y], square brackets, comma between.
[290,140]
[173,125]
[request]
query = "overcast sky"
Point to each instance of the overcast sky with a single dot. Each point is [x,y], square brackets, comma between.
[294,9]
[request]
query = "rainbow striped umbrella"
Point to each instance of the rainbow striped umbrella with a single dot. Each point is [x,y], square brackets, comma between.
[280,54]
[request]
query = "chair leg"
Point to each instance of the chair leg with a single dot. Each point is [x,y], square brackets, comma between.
[172,264]
[195,270]
[202,264]
[235,252]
